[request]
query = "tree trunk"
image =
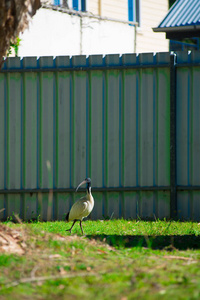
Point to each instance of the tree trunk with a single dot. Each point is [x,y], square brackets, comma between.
[14,18]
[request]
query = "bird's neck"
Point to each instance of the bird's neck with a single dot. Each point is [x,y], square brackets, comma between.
[89,196]
[89,190]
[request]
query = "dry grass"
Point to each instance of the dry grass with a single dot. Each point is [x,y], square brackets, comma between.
[54,264]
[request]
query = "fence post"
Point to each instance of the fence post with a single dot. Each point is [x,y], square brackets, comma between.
[173,191]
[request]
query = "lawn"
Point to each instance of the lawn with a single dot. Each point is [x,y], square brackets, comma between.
[115,259]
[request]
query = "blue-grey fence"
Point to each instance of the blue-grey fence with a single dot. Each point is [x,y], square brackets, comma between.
[188,135]
[108,118]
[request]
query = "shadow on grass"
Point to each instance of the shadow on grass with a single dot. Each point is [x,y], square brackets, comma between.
[179,242]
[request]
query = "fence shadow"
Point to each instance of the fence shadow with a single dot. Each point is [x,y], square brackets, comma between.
[179,242]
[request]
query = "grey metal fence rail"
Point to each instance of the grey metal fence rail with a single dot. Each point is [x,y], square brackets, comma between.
[118,119]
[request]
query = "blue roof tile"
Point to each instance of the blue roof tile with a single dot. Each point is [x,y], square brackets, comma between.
[182,13]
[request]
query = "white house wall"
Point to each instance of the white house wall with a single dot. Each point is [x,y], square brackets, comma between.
[104,37]
[53,33]
[115,9]
[50,33]
[152,12]
[94,7]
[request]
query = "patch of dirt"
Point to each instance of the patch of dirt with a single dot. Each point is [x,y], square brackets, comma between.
[11,240]
[16,240]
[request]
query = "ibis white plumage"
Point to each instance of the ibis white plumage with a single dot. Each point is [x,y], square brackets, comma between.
[81,208]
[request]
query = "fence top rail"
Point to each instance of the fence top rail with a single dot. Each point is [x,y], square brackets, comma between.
[94,189]
[98,62]
[100,189]
[95,68]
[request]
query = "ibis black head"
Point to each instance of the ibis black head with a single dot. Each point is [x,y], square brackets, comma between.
[87,181]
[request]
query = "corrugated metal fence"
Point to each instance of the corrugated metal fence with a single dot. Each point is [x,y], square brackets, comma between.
[109,118]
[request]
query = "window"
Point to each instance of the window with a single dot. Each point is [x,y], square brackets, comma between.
[75,4]
[57,2]
[134,11]
[79,5]
[83,5]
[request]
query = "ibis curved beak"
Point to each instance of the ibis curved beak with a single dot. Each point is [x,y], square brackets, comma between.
[83,182]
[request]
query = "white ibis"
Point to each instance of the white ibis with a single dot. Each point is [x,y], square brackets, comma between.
[81,208]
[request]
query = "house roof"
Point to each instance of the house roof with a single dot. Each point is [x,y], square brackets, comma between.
[182,20]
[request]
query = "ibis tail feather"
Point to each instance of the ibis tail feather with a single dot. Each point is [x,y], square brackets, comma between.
[67,217]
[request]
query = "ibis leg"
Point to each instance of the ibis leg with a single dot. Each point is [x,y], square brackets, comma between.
[72,226]
[81,226]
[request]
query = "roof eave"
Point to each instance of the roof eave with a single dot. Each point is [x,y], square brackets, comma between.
[177,28]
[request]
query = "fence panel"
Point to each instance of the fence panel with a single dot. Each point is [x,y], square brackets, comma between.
[107,118]
[188,134]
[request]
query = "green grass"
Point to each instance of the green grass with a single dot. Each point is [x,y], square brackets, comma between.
[116,259]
